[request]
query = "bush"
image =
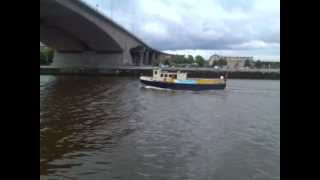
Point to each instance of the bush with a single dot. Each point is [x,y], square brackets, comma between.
[46,56]
[199,60]
[43,59]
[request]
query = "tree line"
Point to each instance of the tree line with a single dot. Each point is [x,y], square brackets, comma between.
[199,61]
[181,60]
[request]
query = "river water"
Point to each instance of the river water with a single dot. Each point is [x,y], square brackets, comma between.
[112,128]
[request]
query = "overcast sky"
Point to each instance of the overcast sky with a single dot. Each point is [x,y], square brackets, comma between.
[204,27]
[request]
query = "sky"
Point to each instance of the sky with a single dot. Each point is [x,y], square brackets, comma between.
[201,27]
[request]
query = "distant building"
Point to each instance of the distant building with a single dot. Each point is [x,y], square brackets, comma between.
[233,62]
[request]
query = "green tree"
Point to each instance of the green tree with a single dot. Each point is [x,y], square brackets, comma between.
[43,59]
[199,60]
[46,56]
[166,62]
[190,59]
[258,64]
[247,63]
[177,59]
[215,63]
[49,52]
[222,62]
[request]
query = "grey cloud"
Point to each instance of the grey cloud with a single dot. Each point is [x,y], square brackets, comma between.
[231,5]
[196,32]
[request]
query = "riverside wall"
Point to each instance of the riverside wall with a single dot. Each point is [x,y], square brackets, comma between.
[138,71]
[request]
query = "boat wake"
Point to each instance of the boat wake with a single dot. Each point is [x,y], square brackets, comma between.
[157,88]
[212,92]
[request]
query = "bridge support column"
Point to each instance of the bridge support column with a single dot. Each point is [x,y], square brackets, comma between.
[87,60]
[146,58]
[153,57]
[141,58]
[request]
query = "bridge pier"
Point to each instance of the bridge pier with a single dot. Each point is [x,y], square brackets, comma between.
[153,57]
[146,58]
[87,60]
[141,58]
[67,33]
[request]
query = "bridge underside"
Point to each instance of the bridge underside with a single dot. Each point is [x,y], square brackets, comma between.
[83,38]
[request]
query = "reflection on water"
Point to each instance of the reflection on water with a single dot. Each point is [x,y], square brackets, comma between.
[112,128]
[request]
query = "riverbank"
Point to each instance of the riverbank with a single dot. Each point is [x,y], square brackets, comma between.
[137,71]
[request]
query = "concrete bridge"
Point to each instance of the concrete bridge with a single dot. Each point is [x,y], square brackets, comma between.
[83,37]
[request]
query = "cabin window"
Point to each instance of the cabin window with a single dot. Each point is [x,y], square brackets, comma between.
[155,72]
[165,75]
[161,75]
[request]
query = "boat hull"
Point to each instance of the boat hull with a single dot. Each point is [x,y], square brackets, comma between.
[178,86]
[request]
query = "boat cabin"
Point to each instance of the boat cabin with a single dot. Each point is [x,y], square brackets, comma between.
[160,75]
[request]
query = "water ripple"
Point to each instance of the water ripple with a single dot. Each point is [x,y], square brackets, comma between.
[110,128]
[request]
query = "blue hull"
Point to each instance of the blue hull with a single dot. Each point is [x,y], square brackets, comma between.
[176,86]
